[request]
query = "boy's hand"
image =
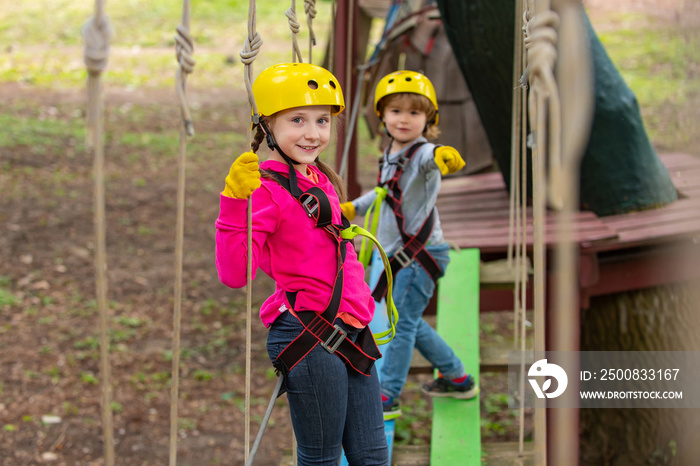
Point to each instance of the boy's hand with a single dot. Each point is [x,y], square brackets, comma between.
[448,159]
[243,178]
[348,210]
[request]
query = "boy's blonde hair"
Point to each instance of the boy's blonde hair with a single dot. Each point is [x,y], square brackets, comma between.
[416,102]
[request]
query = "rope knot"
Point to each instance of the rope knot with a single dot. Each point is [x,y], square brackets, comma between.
[184,47]
[541,43]
[310,10]
[96,36]
[251,48]
[293,22]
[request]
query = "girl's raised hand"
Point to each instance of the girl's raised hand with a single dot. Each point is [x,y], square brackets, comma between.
[243,177]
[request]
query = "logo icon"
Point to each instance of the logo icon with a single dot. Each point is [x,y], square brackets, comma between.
[542,368]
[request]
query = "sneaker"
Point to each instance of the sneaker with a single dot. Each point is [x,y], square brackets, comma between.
[391,407]
[444,387]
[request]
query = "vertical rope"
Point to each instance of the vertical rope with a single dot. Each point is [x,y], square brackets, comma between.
[310,10]
[294,26]
[516,247]
[97,33]
[575,78]
[250,50]
[516,148]
[331,46]
[518,160]
[296,58]
[184,46]
[545,120]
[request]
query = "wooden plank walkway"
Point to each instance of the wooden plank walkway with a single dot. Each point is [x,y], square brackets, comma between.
[456,434]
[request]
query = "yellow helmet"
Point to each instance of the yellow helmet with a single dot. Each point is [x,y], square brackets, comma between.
[290,85]
[405,81]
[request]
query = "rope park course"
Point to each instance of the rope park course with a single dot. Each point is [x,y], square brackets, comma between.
[97,33]
[552,116]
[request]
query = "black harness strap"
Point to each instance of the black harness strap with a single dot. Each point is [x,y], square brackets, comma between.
[413,246]
[319,327]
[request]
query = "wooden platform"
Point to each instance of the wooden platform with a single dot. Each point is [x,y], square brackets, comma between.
[618,252]
[492,454]
[474,212]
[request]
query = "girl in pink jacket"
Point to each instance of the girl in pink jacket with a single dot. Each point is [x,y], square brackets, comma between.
[318,315]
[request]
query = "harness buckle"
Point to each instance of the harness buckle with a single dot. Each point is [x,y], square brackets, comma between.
[402,258]
[402,161]
[310,206]
[330,345]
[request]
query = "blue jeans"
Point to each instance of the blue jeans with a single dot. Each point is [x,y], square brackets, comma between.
[413,289]
[332,406]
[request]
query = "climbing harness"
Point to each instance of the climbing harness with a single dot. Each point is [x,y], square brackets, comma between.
[413,246]
[319,327]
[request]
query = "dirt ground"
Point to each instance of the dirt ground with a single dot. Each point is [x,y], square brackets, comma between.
[49,348]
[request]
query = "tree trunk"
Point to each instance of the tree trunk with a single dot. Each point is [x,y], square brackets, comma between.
[654,319]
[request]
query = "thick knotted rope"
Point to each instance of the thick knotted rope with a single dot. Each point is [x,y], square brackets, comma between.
[294,26]
[96,35]
[250,51]
[542,55]
[310,10]
[184,47]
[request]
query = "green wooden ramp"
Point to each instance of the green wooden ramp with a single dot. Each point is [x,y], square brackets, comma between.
[456,436]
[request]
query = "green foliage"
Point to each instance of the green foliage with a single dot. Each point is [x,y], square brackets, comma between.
[202,375]
[133,322]
[186,424]
[7,298]
[38,132]
[89,378]
[69,408]
[116,407]
[414,425]
[657,63]
[46,42]
[497,419]
[87,343]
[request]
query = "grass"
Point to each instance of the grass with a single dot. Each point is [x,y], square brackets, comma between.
[45,42]
[659,63]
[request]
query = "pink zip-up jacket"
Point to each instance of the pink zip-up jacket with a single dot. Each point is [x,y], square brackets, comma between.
[290,249]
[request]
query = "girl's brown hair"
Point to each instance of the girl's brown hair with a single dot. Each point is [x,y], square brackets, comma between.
[323,167]
[416,102]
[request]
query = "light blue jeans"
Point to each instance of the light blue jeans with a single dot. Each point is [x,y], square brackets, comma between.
[413,289]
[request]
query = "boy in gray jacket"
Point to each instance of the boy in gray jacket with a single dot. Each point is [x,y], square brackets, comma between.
[409,229]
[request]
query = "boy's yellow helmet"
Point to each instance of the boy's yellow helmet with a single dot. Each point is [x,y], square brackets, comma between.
[405,81]
[290,85]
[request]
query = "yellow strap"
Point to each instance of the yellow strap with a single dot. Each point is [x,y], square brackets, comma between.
[365,254]
[391,312]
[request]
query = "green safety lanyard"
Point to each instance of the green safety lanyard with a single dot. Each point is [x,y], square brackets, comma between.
[366,249]
[386,336]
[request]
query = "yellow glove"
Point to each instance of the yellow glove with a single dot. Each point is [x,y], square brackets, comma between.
[448,159]
[243,178]
[348,210]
